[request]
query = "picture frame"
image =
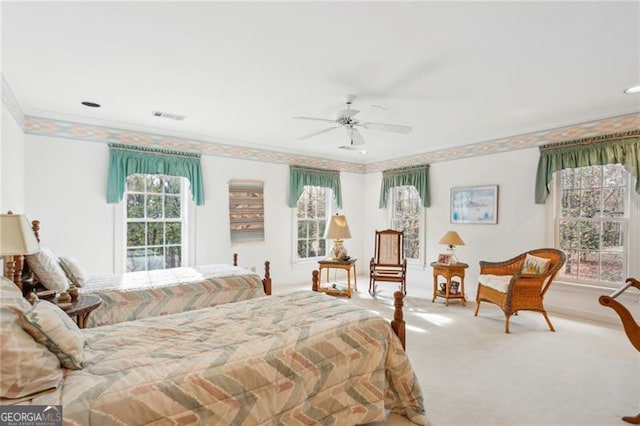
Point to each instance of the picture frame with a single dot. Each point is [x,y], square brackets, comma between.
[444,258]
[474,204]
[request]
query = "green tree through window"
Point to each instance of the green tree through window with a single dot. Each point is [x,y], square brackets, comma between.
[312,211]
[406,213]
[155,222]
[592,219]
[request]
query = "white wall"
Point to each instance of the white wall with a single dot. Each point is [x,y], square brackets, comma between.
[66,187]
[66,181]
[12,165]
[522,225]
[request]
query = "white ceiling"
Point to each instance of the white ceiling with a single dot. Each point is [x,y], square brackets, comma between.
[457,72]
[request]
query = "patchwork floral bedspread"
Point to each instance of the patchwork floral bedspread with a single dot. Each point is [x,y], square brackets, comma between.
[136,295]
[302,358]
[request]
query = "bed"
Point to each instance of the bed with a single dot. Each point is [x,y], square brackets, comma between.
[298,358]
[135,295]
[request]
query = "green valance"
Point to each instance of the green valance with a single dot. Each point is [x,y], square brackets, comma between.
[300,176]
[618,148]
[125,160]
[416,176]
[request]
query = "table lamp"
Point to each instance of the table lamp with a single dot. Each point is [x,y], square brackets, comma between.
[16,240]
[337,230]
[452,239]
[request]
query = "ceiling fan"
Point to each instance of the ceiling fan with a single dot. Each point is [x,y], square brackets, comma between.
[346,120]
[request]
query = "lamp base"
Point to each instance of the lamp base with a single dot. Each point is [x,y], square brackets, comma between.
[452,252]
[338,251]
[13,269]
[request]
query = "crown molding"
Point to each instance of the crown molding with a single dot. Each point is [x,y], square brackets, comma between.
[11,102]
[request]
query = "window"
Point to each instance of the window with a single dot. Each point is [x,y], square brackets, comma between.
[406,215]
[591,223]
[155,222]
[313,209]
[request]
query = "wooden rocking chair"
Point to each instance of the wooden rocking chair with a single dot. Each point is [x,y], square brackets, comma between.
[388,263]
[630,326]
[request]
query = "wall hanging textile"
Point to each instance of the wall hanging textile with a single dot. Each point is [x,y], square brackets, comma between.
[246,210]
[617,148]
[300,176]
[125,160]
[416,176]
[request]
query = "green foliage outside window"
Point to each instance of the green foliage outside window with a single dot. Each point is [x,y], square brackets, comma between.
[311,214]
[406,213]
[592,222]
[154,222]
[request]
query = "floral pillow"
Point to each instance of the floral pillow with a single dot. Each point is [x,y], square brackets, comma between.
[27,367]
[45,265]
[51,326]
[535,265]
[76,273]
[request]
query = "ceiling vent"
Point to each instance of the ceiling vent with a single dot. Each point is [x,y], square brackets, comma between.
[168,115]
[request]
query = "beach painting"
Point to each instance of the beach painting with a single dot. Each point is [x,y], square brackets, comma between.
[474,204]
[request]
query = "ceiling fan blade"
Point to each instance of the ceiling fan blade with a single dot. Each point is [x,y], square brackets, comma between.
[315,119]
[348,113]
[355,137]
[387,127]
[317,133]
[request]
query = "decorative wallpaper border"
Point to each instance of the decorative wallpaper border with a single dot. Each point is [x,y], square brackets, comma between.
[604,126]
[102,134]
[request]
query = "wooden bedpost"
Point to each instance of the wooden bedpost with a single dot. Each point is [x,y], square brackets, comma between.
[235,259]
[266,281]
[35,225]
[398,324]
[315,280]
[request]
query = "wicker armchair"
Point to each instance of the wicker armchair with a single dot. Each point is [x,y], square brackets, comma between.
[504,284]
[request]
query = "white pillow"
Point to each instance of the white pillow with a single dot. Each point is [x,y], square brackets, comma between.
[535,265]
[51,326]
[46,267]
[73,270]
[27,367]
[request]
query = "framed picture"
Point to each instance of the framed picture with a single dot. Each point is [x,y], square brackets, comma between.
[444,258]
[474,204]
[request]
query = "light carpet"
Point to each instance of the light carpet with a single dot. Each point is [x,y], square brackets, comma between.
[472,373]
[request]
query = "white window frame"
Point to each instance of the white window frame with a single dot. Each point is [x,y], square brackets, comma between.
[330,208]
[626,222]
[188,229]
[421,260]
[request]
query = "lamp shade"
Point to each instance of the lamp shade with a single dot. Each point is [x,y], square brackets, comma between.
[451,238]
[337,228]
[16,236]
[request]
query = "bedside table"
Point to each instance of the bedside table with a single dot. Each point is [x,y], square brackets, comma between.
[81,308]
[448,272]
[346,265]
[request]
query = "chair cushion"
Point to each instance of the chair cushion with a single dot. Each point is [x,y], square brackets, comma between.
[496,282]
[535,265]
